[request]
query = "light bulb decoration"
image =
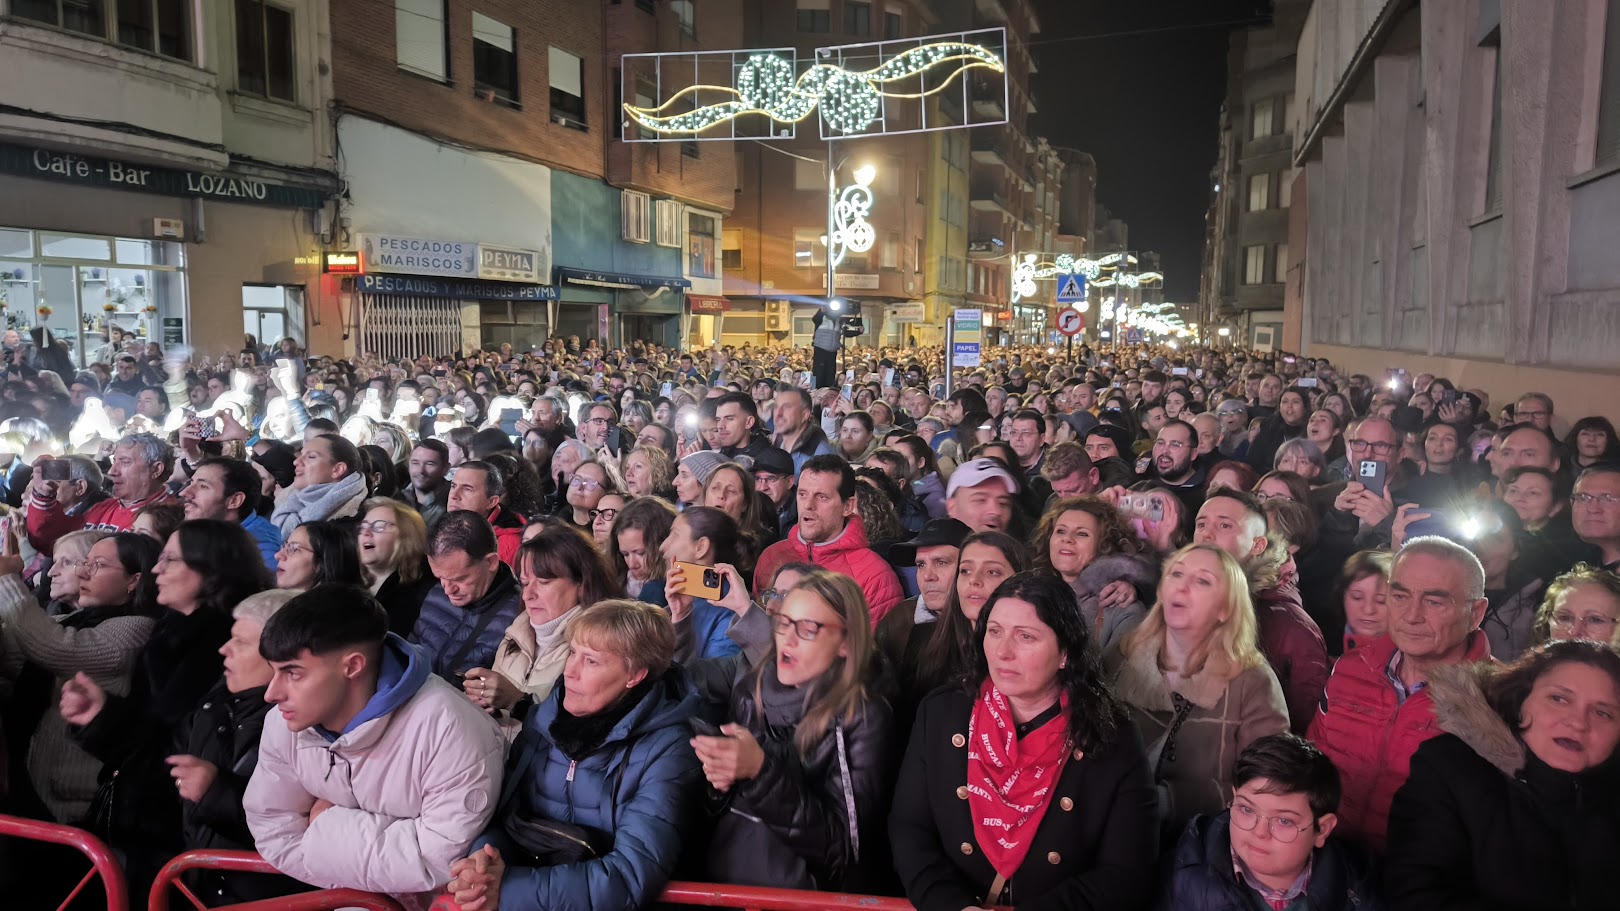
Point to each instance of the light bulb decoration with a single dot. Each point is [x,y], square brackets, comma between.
[768,84]
[852,233]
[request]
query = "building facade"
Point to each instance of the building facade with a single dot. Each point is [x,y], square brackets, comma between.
[1461,161]
[166,169]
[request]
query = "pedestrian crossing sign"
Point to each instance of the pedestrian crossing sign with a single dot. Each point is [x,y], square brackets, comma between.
[1071,288]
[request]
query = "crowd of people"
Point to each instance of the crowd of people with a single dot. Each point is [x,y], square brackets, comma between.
[1139,628]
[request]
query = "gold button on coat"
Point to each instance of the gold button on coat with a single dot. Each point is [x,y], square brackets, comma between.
[967,848]
[961,792]
[957,740]
[1066,804]
[1054,858]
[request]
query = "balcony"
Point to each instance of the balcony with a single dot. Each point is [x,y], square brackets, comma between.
[989,148]
[989,101]
[986,246]
[987,200]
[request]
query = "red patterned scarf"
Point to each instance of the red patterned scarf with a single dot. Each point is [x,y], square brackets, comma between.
[1010,781]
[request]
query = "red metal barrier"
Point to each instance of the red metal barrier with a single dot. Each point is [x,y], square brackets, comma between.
[102,862]
[753,898]
[168,881]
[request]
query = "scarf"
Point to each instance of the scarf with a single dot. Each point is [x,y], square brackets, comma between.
[318,502]
[1010,781]
[578,736]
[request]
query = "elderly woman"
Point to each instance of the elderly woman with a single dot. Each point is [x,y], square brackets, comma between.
[1052,806]
[1517,804]
[1196,682]
[1583,603]
[604,784]
[1304,458]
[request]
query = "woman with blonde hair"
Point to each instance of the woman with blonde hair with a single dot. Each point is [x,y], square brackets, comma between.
[1583,603]
[648,472]
[804,760]
[1196,683]
[393,552]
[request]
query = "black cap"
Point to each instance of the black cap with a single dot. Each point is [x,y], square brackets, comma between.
[937,532]
[773,460]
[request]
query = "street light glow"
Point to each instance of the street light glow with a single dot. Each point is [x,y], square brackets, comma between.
[835,305]
[865,174]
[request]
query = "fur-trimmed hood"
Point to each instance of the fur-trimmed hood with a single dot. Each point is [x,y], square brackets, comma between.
[1140,571]
[1140,682]
[1462,710]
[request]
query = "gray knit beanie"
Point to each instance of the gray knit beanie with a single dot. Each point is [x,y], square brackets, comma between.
[703,464]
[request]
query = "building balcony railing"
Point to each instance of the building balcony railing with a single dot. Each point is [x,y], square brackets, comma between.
[990,149]
[989,99]
[986,246]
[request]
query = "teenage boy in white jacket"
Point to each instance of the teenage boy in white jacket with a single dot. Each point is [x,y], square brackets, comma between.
[374,774]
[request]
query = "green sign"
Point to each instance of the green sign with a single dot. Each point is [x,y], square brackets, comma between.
[86,170]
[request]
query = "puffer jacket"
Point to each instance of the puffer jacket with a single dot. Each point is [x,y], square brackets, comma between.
[1293,644]
[442,628]
[1370,735]
[1510,619]
[642,784]
[796,825]
[412,781]
[1201,877]
[225,731]
[508,527]
[849,553]
[1482,822]
[1109,626]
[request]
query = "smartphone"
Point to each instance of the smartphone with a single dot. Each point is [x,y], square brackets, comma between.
[806,377]
[56,470]
[1306,382]
[1440,523]
[1449,397]
[701,581]
[667,390]
[1179,371]
[849,392]
[888,376]
[1373,476]
[1199,373]
[703,728]
[849,375]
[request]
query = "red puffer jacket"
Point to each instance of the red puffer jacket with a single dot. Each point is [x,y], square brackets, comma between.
[1371,736]
[849,553]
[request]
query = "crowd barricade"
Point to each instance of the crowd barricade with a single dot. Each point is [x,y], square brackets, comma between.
[168,882]
[102,862]
[757,898]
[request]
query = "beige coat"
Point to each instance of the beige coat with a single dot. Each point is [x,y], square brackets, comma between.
[532,660]
[1225,713]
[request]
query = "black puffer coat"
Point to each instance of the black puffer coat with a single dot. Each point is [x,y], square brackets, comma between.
[1482,823]
[790,827]
[1200,874]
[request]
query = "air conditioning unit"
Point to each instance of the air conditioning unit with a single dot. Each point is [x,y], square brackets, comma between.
[776,308]
[776,322]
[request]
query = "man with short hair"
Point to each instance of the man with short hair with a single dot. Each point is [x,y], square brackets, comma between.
[141,465]
[774,479]
[372,774]
[429,490]
[1527,446]
[128,378]
[1376,710]
[464,618]
[1595,512]
[934,553]
[981,494]
[229,490]
[1534,409]
[1349,508]
[1083,397]
[831,535]
[736,420]
[1234,521]
[598,428]
[1153,383]
[796,434]
[1106,446]
[479,487]
[1150,417]
[1028,441]
[1069,470]
[1267,395]
[1174,463]
[327,485]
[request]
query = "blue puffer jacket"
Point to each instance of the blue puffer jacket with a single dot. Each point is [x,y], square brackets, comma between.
[442,628]
[642,784]
[1201,876]
[709,625]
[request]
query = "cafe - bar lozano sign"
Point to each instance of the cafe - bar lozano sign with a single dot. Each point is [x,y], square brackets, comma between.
[111,174]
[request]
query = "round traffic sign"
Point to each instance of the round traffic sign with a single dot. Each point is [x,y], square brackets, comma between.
[1070,322]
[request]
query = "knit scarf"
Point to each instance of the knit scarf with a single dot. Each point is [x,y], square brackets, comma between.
[1009,781]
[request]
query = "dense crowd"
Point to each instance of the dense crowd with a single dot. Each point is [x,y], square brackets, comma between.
[1139,628]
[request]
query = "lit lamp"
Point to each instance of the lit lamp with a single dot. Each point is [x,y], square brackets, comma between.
[1223,332]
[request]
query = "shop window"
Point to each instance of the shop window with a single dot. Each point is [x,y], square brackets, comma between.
[567,75]
[271,313]
[495,73]
[264,50]
[419,38]
[700,230]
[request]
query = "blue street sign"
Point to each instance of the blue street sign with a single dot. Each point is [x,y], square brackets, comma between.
[1133,336]
[1071,288]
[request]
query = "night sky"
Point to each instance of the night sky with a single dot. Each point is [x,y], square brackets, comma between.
[1146,106]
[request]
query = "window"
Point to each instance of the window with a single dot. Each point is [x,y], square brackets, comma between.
[808,175]
[1285,188]
[264,50]
[684,16]
[155,26]
[731,249]
[494,60]
[419,38]
[567,75]
[917,254]
[922,184]
[635,216]
[889,256]
[1260,117]
[1608,127]
[667,218]
[815,15]
[1280,271]
[1259,192]
[1493,161]
[857,18]
[1254,265]
[807,249]
[894,22]
[700,231]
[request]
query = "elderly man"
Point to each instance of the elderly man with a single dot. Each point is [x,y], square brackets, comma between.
[1534,409]
[934,554]
[1595,512]
[1376,710]
[141,465]
[1352,510]
[480,487]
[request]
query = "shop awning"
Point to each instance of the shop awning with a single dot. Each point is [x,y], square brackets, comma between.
[622,281]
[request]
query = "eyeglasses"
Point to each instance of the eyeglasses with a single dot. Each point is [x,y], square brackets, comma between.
[603,422]
[291,547]
[1379,448]
[585,484]
[1282,828]
[1173,444]
[89,568]
[609,514]
[1592,623]
[807,630]
[767,477]
[71,566]
[1587,499]
[377,526]
[770,597]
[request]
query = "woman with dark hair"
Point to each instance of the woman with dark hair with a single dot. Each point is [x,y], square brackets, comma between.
[378,466]
[115,611]
[206,568]
[158,520]
[523,496]
[319,553]
[560,572]
[634,547]
[1517,804]
[1087,543]
[939,652]
[704,536]
[1052,806]
[929,485]
[1592,440]
[1286,423]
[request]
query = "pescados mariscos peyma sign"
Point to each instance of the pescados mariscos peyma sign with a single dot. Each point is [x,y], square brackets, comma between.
[87,170]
